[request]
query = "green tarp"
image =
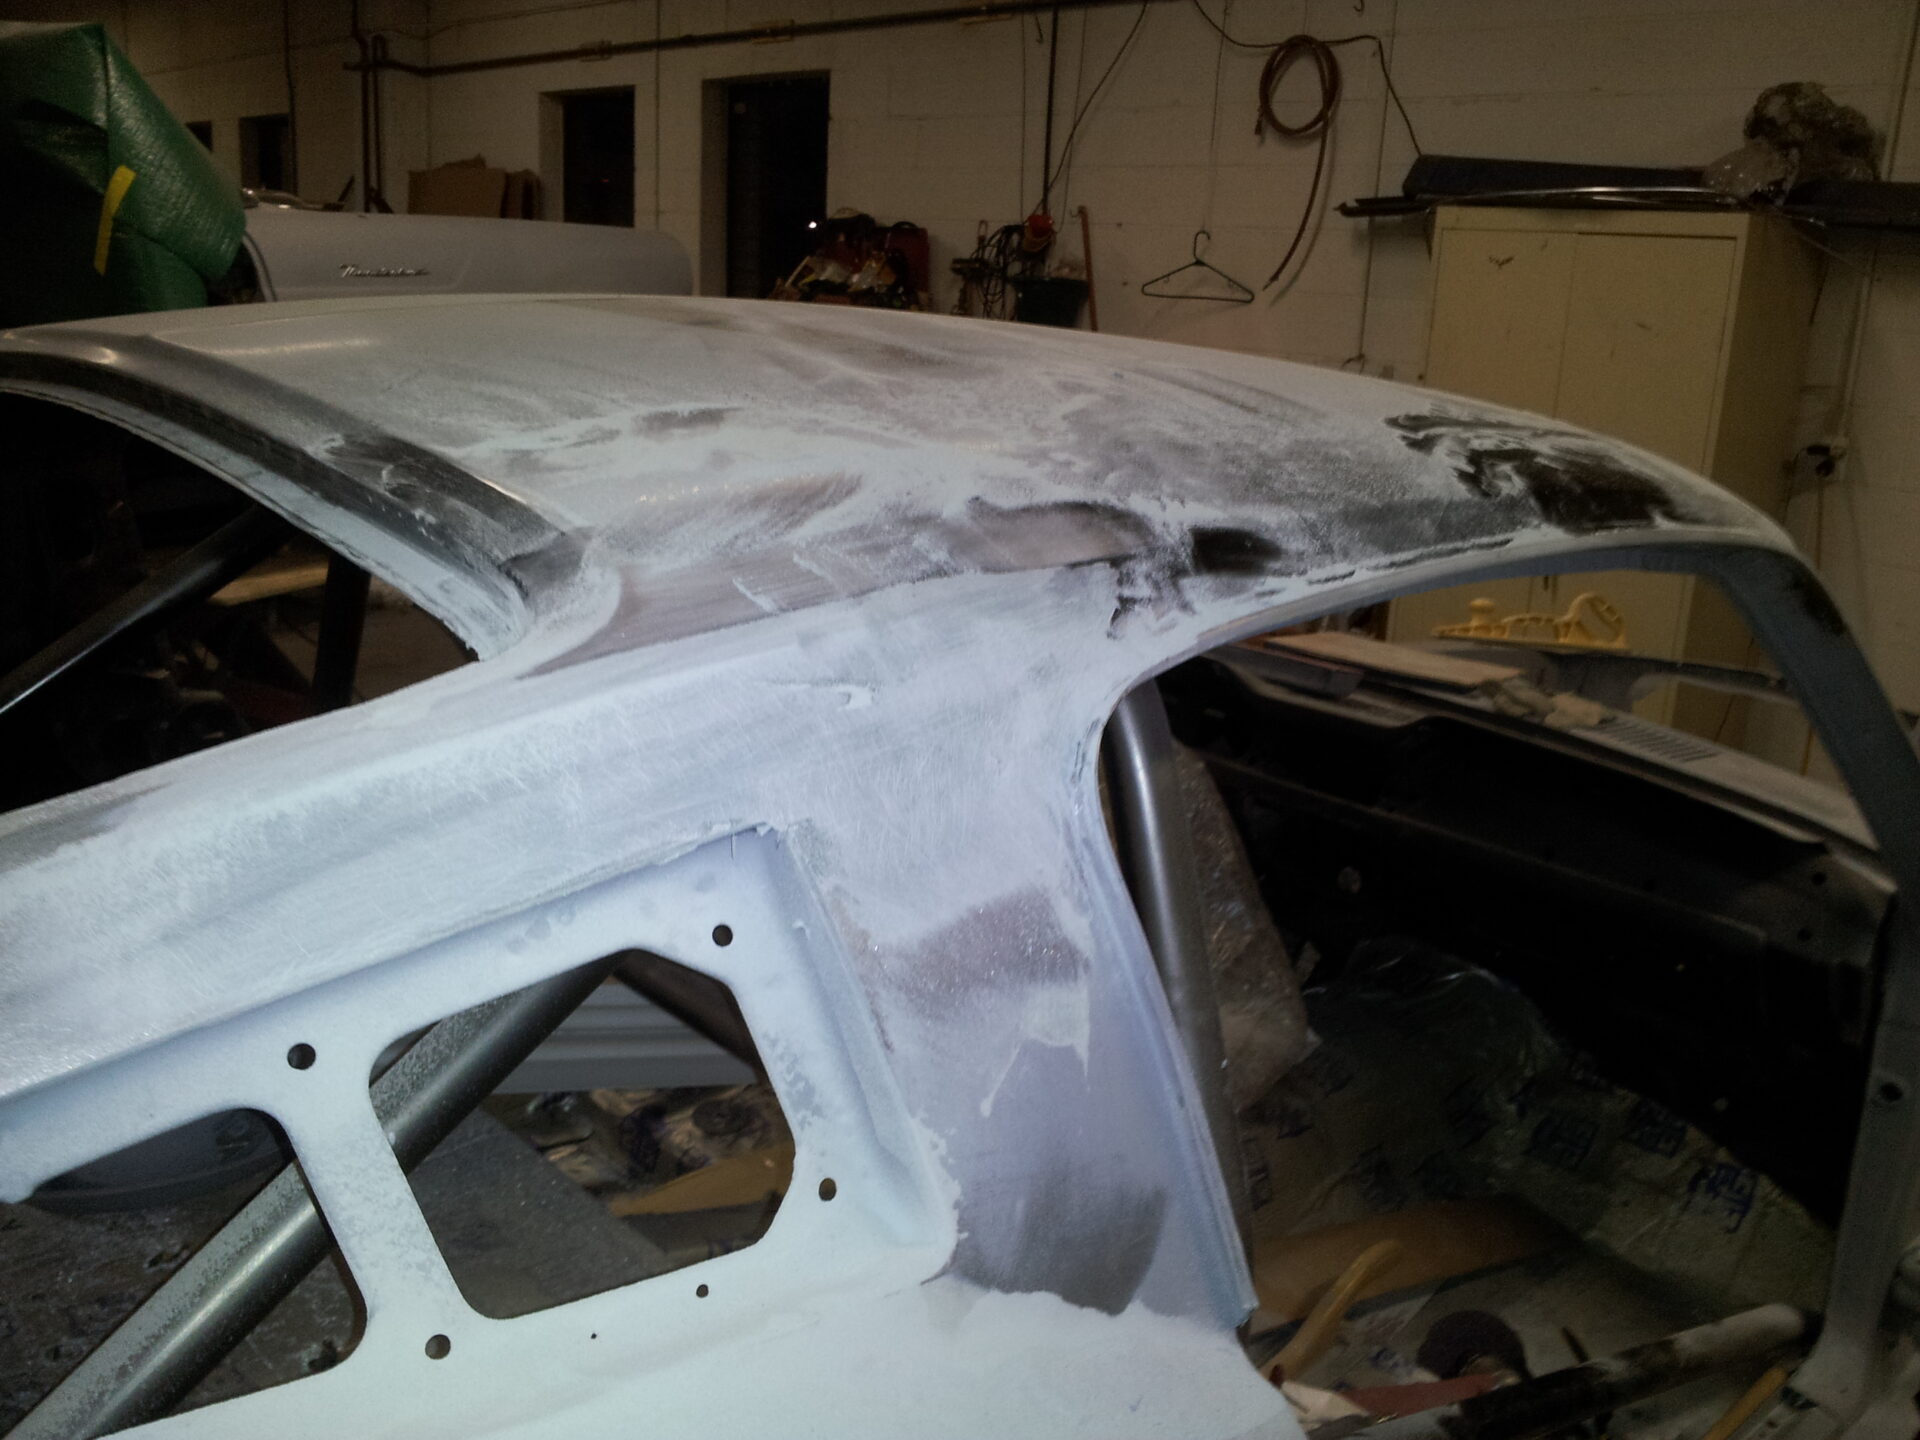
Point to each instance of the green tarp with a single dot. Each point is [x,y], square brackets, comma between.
[107,204]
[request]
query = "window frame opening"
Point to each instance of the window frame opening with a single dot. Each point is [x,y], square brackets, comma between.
[182,570]
[1795,626]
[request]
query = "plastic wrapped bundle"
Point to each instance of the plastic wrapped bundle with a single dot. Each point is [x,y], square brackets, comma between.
[1263,1020]
[1439,1082]
[112,206]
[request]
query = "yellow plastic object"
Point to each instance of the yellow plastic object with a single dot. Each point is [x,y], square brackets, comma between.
[1316,1332]
[1438,1241]
[1748,1405]
[112,206]
[117,188]
[1592,622]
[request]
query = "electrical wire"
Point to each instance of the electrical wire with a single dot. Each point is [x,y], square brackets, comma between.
[656,115]
[1282,56]
[1046,149]
[984,273]
[1066,145]
[290,172]
[1318,125]
[1379,51]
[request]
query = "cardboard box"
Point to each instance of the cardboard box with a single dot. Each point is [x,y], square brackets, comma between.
[461,187]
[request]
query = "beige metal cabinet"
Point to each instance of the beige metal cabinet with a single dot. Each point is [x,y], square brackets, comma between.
[1681,332]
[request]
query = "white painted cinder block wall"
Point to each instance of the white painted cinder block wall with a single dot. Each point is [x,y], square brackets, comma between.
[942,124]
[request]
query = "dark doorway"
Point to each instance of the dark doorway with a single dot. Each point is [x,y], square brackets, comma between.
[266,160]
[776,177]
[596,165]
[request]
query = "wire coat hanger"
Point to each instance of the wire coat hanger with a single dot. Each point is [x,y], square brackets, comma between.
[1238,293]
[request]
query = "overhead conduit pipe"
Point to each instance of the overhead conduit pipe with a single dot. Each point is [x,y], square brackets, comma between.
[749,35]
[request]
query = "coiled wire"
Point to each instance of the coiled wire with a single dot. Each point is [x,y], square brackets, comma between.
[1319,124]
[1281,58]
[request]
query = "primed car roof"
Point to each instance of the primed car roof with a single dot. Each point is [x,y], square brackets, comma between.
[569,479]
[732,459]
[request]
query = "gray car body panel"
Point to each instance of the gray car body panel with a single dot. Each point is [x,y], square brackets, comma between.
[794,614]
[311,254]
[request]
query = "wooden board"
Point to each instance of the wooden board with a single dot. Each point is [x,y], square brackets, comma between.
[281,575]
[737,1180]
[1439,1241]
[1432,667]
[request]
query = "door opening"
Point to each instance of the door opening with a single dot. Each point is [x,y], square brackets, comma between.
[596,168]
[266,154]
[776,147]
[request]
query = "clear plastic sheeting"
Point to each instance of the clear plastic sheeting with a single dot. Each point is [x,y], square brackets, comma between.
[1436,1080]
[1263,1020]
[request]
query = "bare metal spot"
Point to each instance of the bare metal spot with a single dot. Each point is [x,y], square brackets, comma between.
[660,423]
[1231,550]
[1577,483]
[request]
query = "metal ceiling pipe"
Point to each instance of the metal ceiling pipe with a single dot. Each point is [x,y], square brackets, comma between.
[208,1306]
[1550,1403]
[750,35]
[1155,846]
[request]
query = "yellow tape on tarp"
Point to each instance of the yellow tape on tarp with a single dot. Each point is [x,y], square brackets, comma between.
[117,188]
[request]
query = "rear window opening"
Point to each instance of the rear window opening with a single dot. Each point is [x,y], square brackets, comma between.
[89,692]
[1540,1034]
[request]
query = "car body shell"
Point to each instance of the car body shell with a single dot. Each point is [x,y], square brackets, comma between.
[803,622]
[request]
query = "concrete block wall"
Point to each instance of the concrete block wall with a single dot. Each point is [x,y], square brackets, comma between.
[943,124]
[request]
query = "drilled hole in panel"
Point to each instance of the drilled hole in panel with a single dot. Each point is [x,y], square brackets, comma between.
[438,1347]
[301,1056]
[92,1245]
[626,1146]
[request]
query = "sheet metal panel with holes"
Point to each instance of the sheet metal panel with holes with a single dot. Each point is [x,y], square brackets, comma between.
[805,624]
